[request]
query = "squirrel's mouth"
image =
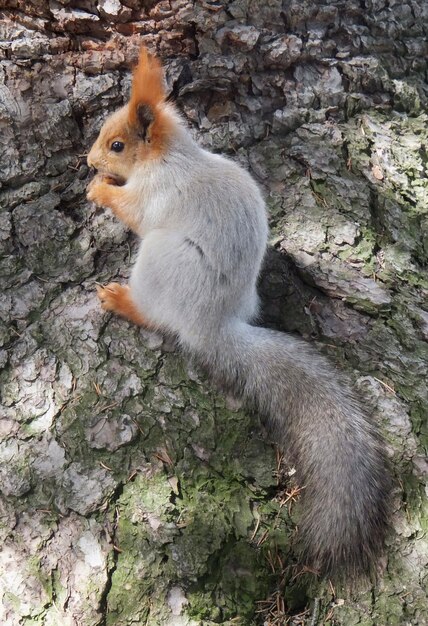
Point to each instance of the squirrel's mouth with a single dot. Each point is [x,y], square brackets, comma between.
[115,179]
[111,179]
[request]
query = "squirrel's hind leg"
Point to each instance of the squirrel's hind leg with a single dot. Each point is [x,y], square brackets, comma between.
[117,298]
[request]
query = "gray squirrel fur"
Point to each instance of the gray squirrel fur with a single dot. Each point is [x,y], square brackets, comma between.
[204,233]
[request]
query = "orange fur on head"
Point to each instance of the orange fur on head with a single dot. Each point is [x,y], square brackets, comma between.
[145,126]
[148,94]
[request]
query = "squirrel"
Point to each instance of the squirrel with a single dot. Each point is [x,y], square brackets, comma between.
[203,224]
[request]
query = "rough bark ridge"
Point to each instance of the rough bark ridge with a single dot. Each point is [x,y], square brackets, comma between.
[130,492]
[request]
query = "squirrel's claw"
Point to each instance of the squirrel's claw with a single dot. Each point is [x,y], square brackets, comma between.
[111,295]
[117,298]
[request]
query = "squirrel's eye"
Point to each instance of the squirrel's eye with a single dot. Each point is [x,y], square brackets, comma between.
[117,146]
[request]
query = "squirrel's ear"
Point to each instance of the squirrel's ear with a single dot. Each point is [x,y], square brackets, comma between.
[147,93]
[145,118]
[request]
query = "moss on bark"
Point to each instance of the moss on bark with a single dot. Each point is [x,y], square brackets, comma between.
[131,492]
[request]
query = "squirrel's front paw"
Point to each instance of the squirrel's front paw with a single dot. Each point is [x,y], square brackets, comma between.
[112,295]
[99,190]
[93,189]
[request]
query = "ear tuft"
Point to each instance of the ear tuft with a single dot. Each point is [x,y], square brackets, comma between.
[147,90]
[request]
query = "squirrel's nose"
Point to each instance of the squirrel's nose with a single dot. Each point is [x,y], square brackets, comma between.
[91,159]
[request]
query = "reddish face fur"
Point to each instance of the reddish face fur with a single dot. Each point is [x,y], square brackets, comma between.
[143,125]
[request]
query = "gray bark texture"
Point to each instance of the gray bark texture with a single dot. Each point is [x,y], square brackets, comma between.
[131,491]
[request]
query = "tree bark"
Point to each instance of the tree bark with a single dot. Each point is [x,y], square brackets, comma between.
[131,492]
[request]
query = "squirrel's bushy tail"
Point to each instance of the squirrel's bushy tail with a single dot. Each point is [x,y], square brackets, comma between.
[313,416]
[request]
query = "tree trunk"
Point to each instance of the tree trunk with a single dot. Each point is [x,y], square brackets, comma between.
[131,492]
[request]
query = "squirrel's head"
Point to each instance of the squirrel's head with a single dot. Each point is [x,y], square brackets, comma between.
[140,130]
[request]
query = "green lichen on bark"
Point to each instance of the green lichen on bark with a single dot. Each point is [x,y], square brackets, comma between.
[132,492]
